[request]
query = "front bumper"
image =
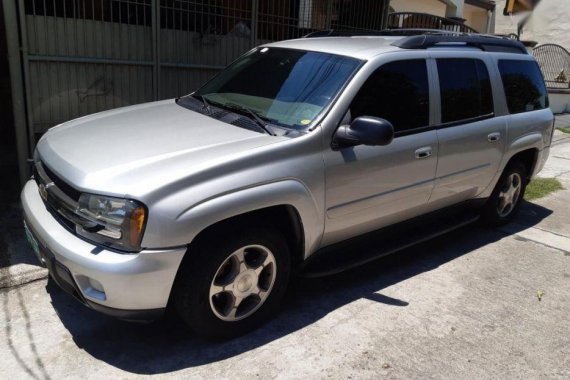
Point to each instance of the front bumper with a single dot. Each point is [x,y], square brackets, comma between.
[128,286]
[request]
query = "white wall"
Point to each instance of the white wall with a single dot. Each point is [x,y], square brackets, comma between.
[559,102]
[549,23]
[475,17]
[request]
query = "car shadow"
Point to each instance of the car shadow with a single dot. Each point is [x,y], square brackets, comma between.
[165,346]
[15,249]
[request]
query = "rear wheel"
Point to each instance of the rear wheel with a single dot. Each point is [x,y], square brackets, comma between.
[232,281]
[504,202]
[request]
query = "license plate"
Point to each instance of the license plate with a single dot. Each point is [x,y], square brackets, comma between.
[34,243]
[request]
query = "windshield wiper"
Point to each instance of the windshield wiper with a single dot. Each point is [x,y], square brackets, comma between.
[253,114]
[206,104]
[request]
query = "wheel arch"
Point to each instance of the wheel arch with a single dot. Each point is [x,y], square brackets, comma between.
[526,149]
[284,218]
[288,205]
[528,157]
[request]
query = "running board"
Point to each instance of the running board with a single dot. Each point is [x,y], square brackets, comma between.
[361,250]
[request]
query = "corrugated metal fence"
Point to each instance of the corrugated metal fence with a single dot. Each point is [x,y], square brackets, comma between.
[85,56]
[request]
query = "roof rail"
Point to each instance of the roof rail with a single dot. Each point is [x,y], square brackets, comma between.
[426,38]
[372,33]
[343,33]
[484,42]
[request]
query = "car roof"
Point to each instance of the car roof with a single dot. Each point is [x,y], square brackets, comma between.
[361,47]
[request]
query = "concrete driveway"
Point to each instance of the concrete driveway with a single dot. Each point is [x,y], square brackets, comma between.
[477,303]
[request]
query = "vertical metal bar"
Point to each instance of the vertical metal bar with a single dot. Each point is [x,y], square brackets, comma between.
[214,18]
[329,15]
[16,82]
[36,39]
[385,14]
[56,66]
[155,47]
[130,47]
[26,63]
[67,73]
[46,51]
[254,14]
[75,111]
[179,49]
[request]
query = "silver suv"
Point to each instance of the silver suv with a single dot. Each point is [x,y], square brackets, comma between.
[209,202]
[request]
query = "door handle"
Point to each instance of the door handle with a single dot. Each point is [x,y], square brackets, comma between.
[495,136]
[424,152]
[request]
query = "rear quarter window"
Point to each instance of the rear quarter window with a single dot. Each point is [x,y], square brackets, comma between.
[524,86]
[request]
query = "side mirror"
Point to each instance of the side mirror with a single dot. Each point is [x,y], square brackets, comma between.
[364,130]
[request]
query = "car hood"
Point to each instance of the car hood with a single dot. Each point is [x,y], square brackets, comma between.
[118,151]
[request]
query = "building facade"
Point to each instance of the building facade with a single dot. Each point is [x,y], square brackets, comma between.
[477,14]
[549,23]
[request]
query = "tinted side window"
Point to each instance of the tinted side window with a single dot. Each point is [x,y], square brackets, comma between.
[524,86]
[398,92]
[465,89]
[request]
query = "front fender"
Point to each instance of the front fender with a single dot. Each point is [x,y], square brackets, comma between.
[191,221]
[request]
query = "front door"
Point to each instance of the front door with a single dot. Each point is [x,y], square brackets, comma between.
[368,187]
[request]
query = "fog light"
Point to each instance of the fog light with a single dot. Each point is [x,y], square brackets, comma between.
[96,285]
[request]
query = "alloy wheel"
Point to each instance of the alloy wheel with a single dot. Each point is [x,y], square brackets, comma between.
[242,283]
[509,194]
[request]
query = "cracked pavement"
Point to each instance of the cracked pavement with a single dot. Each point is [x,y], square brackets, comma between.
[475,303]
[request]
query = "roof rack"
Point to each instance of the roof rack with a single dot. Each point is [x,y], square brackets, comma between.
[484,42]
[373,33]
[343,33]
[427,38]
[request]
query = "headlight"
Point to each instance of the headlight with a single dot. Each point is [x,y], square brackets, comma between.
[112,221]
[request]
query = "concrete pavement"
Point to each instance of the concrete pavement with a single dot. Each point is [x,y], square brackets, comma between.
[18,265]
[477,303]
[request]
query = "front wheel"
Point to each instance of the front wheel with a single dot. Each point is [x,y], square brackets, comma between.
[232,281]
[504,202]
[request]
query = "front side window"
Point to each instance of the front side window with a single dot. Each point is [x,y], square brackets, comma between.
[524,86]
[398,92]
[289,87]
[465,89]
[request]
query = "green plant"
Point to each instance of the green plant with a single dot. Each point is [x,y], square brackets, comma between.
[540,187]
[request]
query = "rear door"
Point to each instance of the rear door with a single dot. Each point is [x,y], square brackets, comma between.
[471,137]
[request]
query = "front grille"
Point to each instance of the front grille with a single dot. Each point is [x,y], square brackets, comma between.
[61,184]
[61,198]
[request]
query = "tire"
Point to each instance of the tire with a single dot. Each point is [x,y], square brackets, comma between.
[215,276]
[496,212]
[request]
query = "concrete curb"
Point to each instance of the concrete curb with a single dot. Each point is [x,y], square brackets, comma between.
[21,274]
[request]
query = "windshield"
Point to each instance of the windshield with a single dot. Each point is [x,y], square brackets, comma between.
[288,87]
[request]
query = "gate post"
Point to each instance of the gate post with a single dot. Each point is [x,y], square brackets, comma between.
[17,87]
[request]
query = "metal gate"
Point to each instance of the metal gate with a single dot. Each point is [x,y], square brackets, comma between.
[85,56]
[554,61]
